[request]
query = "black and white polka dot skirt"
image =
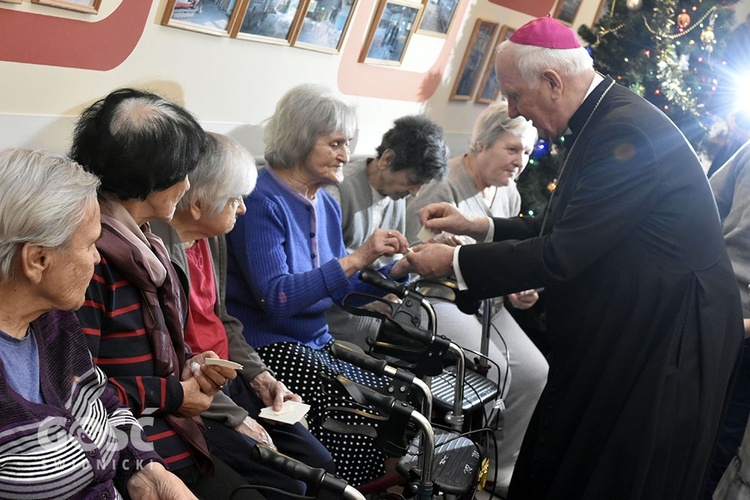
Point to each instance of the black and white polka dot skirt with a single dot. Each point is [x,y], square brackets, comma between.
[297,366]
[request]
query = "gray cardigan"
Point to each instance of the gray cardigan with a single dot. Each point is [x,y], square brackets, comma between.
[222,409]
[731,187]
[359,214]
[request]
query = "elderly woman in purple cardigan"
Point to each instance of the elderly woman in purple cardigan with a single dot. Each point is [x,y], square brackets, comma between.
[63,431]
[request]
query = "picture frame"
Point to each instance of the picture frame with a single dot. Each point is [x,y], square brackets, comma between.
[566,11]
[269,20]
[474,60]
[324,25]
[603,11]
[205,16]
[437,17]
[489,88]
[391,30]
[84,6]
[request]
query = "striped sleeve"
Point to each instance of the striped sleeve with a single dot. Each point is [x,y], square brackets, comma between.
[112,320]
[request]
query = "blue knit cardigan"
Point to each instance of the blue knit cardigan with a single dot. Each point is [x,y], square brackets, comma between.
[283,269]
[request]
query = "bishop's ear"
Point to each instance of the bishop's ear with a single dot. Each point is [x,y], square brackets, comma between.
[552,80]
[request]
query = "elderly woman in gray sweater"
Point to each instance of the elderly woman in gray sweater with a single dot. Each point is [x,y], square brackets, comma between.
[481,183]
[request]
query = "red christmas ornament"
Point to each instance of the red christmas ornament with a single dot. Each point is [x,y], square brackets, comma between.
[683,20]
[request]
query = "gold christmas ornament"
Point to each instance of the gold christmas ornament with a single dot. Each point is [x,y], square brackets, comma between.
[633,4]
[708,38]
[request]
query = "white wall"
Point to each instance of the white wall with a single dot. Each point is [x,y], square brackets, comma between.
[231,85]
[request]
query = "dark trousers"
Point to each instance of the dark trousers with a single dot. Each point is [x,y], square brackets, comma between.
[223,484]
[291,440]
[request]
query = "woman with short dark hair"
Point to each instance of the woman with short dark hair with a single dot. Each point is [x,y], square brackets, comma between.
[143,147]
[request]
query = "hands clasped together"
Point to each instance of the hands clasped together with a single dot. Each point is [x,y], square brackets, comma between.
[200,382]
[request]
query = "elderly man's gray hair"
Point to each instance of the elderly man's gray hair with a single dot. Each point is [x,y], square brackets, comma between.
[531,61]
[43,199]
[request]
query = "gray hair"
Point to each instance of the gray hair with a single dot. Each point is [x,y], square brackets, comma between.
[43,199]
[225,170]
[302,116]
[531,60]
[494,122]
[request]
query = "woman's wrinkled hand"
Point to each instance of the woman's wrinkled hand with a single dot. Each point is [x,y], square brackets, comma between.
[154,482]
[194,400]
[252,429]
[381,242]
[210,378]
[271,391]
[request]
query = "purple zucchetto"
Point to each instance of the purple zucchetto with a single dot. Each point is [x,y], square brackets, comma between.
[546,32]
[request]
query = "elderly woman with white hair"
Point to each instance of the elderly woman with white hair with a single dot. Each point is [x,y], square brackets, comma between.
[195,241]
[481,183]
[64,432]
[288,262]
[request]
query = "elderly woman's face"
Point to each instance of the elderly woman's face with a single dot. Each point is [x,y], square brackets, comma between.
[72,266]
[500,163]
[325,162]
[161,204]
[223,222]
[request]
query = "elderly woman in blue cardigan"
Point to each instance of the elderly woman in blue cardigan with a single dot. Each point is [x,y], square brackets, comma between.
[288,262]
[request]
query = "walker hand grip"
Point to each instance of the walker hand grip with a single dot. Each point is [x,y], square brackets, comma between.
[378,280]
[315,478]
[346,353]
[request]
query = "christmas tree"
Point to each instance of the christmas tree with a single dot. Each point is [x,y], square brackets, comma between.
[674,53]
[669,51]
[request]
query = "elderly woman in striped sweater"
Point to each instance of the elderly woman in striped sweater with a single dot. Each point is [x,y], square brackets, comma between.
[64,433]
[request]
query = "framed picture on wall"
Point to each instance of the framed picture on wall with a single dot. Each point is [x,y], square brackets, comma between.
[475,58]
[324,25]
[86,6]
[205,16]
[489,88]
[437,16]
[390,32]
[270,20]
[603,12]
[566,10]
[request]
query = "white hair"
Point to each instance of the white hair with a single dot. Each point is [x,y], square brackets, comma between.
[225,170]
[43,200]
[494,122]
[531,61]
[302,116]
